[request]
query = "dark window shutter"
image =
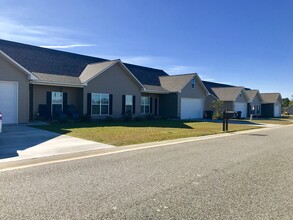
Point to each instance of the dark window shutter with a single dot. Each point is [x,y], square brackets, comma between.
[89,104]
[151,105]
[123,104]
[65,102]
[110,104]
[49,104]
[133,104]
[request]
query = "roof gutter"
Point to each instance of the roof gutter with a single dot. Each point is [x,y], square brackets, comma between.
[58,84]
[154,92]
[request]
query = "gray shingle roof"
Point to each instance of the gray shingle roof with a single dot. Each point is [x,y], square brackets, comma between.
[251,94]
[269,98]
[159,89]
[227,93]
[210,85]
[49,61]
[42,60]
[58,78]
[94,69]
[146,75]
[176,83]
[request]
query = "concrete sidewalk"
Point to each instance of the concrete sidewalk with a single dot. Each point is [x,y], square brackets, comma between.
[19,142]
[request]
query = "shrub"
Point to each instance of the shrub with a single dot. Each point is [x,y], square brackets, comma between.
[85,118]
[63,118]
[149,117]
[109,119]
[137,118]
[217,107]
[127,116]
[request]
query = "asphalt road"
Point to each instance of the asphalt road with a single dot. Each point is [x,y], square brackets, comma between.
[248,176]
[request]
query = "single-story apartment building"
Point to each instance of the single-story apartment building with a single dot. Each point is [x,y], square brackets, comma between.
[234,98]
[40,82]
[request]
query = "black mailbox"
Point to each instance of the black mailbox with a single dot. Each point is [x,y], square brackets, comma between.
[229,114]
[226,116]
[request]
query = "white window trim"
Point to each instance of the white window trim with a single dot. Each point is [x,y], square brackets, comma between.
[144,105]
[100,105]
[56,104]
[131,103]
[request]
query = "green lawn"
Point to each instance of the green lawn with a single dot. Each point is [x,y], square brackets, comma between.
[135,132]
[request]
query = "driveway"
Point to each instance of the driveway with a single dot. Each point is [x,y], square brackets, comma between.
[19,142]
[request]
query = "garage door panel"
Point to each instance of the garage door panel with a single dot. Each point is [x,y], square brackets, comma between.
[191,108]
[8,102]
[277,110]
[241,106]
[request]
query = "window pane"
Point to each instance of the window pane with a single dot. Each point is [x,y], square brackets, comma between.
[147,100]
[104,110]
[142,100]
[57,98]
[147,109]
[104,99]
[95,98]
[128,100]
[95,109]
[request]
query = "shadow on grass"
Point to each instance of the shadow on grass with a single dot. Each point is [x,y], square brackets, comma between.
[139,124]
[179,124]
[64,128]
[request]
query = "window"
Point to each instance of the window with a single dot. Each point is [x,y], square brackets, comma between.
[57,98]
[100,104]
[145,105]
[193,83]
[128,104]
[57,103]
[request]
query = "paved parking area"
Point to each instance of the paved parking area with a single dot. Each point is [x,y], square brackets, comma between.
[19,142]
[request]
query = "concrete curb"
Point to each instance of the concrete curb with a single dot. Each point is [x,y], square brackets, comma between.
[19,164]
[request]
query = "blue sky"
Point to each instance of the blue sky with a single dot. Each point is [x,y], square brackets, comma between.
[241,42]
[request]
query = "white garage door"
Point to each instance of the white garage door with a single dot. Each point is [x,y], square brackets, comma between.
[8,102]
[241,106]
[191,108]
[277,110]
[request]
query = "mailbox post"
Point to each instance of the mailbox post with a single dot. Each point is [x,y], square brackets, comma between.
[226,116]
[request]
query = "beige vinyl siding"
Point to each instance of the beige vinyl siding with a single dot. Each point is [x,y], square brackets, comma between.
[74,96]
[9,72]
[116,81]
